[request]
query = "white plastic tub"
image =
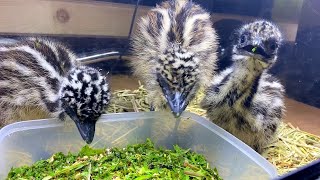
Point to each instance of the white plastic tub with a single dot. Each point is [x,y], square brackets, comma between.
[24,143]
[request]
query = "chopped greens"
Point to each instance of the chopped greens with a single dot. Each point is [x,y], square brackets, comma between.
[139,162]
[254,49]
[302,147]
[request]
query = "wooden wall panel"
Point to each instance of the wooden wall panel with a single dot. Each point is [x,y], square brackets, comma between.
[79,17]
[65,17]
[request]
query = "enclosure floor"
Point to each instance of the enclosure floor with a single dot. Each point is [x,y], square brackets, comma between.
[306,117]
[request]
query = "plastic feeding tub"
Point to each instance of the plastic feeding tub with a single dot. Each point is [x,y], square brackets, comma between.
[24,143]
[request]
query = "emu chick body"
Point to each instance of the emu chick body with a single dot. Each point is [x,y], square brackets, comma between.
[244,99]
[30,78]
[174,53]
[40,78]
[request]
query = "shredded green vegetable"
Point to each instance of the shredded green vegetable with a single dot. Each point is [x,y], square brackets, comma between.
[139,161]
[254,49]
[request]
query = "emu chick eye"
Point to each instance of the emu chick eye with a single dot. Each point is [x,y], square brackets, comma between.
[242,39]
[273,46]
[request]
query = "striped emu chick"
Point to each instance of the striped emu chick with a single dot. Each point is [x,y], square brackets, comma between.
[174,53]
[40,78]
[244,99]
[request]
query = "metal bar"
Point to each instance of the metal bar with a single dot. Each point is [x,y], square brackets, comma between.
[99,57]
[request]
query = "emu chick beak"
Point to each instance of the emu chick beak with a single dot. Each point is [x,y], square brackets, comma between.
[177,103]
[176,100]
[86,128]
